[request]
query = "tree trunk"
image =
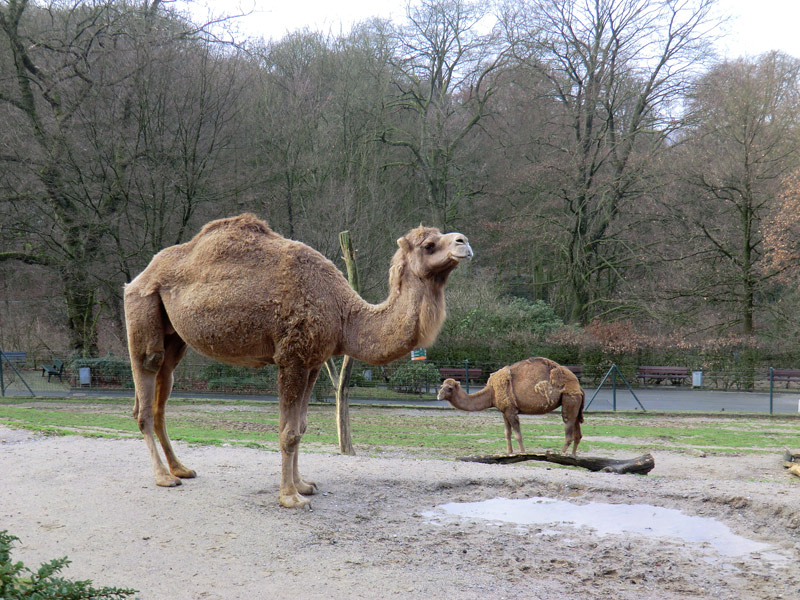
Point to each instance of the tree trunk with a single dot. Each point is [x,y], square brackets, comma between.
[343,407]
[640,465]
[343,385]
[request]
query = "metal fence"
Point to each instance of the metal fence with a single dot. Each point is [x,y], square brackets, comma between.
[759,387]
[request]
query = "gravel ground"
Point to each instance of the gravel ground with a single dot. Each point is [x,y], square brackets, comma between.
[378,528]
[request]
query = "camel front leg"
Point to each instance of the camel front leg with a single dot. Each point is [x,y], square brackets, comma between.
[509,449]
[292,383]
[514,422]
[305,487]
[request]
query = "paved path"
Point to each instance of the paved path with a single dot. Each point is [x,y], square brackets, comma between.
[671,399]
[653,399]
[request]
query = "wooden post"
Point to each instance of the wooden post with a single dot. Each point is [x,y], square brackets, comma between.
[343,385]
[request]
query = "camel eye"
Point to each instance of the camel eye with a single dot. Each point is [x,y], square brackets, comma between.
[430,246]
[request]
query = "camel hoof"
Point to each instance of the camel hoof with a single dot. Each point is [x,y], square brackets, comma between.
[294,501]
[167,481]
[307,488]
[183,472]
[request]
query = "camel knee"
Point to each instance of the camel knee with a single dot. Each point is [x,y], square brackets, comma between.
[145,424]
[144,417]
[289,439]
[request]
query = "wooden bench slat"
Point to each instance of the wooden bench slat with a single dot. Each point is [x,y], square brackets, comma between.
[458,374]
[657,373]
[786,373]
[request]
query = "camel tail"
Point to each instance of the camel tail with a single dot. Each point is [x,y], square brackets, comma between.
[580,410]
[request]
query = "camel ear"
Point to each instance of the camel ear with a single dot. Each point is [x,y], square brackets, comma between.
[404,244]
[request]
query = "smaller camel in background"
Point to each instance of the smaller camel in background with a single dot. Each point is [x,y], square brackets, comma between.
[534,386]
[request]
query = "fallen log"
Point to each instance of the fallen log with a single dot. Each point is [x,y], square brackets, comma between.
[639,466]
[790,456]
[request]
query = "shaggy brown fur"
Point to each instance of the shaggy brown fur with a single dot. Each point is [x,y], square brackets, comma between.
[244,295]
[532,387]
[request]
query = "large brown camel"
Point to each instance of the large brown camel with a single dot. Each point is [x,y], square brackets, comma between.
[534,386]
[242,294]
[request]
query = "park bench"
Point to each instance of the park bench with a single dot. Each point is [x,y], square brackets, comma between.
[54,370]
[576,369]
[458,374]
[16,357]
[651,374]
[787,375]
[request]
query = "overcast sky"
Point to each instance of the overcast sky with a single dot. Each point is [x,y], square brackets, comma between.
[756,26]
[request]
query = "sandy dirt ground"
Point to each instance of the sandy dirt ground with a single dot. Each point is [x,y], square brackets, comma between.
[377,528]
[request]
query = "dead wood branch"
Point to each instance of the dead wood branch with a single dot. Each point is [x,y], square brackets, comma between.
[640,465]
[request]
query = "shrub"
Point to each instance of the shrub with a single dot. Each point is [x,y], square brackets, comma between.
[414,376]
[219,376]
[107,370]
[17,581]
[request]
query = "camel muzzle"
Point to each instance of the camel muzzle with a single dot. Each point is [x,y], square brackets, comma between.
[463,251]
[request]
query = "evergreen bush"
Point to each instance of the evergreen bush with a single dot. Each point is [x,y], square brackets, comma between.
[18,582]
[414,377]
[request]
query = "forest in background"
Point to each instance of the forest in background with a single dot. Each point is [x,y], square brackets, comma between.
[626,192]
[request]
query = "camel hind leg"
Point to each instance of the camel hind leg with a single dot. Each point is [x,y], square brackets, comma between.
[145,323]
[572,415]
[174,351]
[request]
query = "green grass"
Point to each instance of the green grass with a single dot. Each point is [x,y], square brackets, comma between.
[416,432]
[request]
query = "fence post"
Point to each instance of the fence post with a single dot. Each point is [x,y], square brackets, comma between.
[771,382]
[466,374]
[614,386]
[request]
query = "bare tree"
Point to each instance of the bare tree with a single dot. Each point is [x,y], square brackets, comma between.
[123,113]
[315,121]
[444,82]
[51,74]
[615,72]
[744,142]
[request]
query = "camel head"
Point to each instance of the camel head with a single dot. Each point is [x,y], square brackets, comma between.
[449,389]
[428,253]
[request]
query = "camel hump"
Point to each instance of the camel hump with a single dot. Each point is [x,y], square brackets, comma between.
[244,222]
[546,362]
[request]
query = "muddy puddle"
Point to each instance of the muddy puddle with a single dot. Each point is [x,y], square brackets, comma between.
[604,519]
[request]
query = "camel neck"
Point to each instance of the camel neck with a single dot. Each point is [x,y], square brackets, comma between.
[480,400]
[409,318]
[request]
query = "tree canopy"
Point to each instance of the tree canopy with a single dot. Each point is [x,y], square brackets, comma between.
[602,161]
